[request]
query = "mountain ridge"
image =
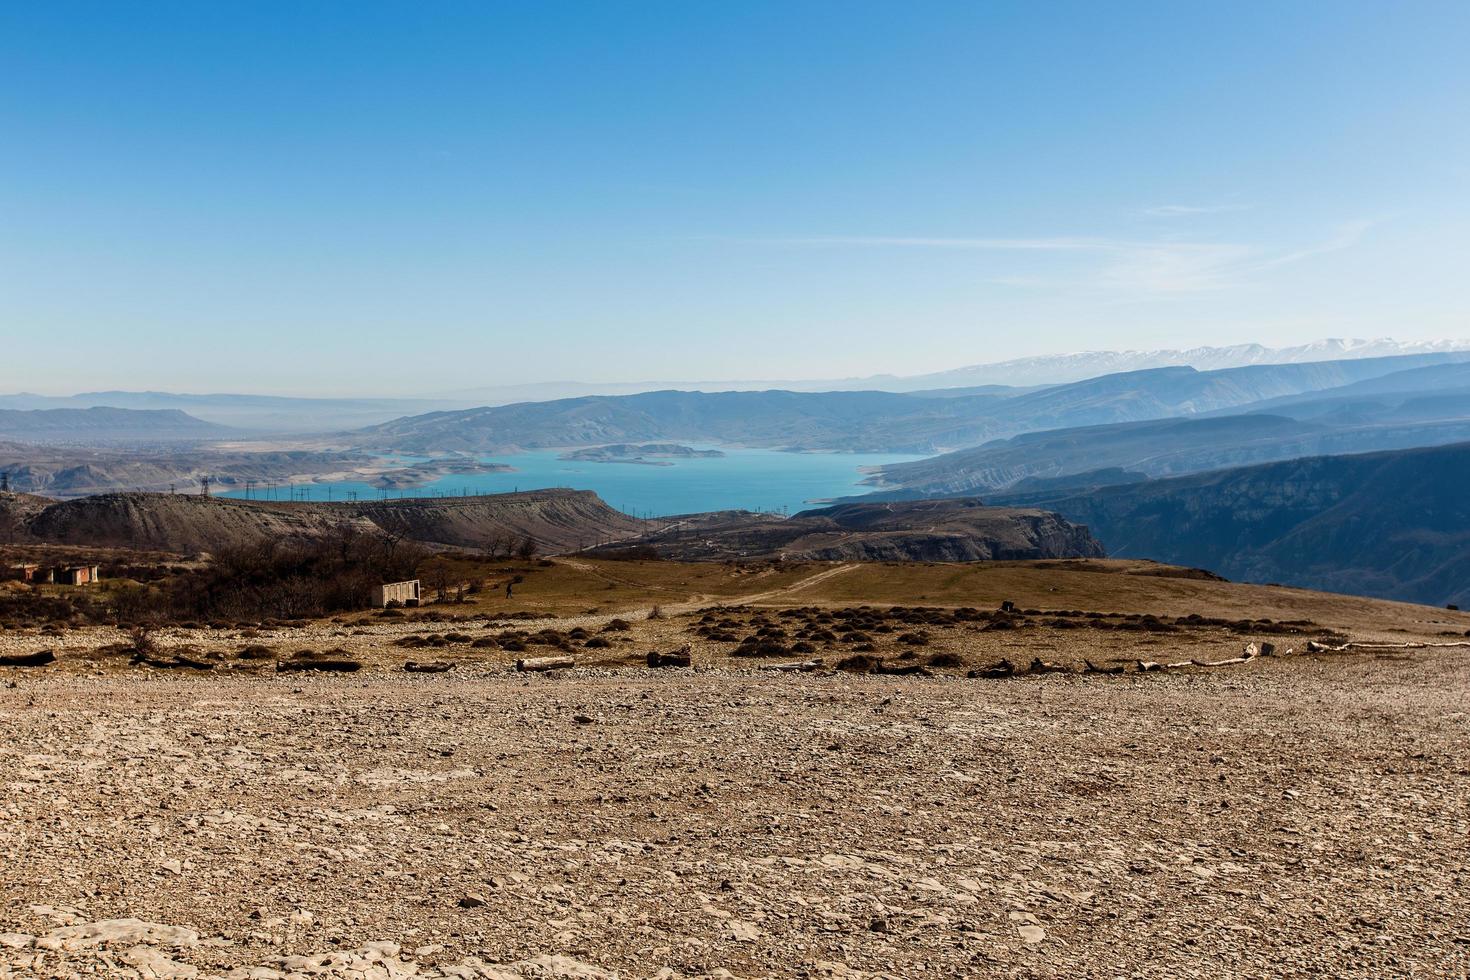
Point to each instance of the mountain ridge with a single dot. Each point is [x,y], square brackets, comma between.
[106,424]
[866,420]
[1392,525]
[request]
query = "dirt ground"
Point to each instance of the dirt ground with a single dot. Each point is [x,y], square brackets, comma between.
[1300,815]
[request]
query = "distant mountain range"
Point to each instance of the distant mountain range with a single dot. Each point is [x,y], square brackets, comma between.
[105,425]
[1065,368]
[264,414]
[1393,525]
[248,413]
[872,420]
[1424,406]
[1020,372]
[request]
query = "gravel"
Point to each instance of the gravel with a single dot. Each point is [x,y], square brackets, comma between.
[1301,816]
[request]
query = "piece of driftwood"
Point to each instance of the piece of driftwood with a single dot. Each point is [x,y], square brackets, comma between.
[1151,666]
[1039,666]
[800,667]
[331,666]
[176,662]
[38,659]
[902,671]
[1315,647]
[539,664]
[995,671]
[437,667]
[1088,667]
[1243,659]
[679,658]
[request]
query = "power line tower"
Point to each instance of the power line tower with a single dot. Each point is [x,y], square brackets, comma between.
[204,486]
[4,482]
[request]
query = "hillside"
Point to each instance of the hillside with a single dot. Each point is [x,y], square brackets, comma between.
[1393,525]
[940,530]
[105,425]
[558,520]
[1426,392]
[179,522]
[868,420]
[74,471]
[1174,447]
[846,420]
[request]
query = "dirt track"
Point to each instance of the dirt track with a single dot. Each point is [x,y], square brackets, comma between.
[1297,817]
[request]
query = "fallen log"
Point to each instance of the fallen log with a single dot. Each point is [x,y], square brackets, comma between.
[907,670]
[1151,666]
[1244,659]
[995,671]
[438,667]
[332,666]
[1314,647]
[38,659]
[178,661]
[1039,666]
[679,658]
[1088,667]
[541,664]
[800,667]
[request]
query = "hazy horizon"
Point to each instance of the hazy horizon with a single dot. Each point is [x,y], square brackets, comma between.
[1063,367]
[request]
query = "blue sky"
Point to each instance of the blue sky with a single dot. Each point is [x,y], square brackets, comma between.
[336,197]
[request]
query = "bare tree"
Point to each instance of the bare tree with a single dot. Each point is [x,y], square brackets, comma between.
[439,581]
[10,526]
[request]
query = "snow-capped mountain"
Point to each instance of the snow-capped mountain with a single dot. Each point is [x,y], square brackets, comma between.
[1064,368]
[1021,372]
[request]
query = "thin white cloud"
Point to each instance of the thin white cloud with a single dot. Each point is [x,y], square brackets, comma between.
[1149,267]
[1346,236]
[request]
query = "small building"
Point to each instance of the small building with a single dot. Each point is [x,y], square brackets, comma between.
[79,575]
[404,593]
[25,572]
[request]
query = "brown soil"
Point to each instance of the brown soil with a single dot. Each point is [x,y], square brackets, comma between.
[1297,815]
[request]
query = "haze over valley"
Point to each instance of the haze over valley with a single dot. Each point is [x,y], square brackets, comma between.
[1054,443]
